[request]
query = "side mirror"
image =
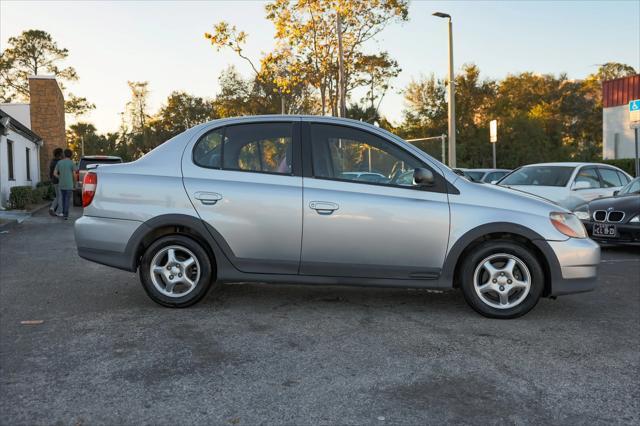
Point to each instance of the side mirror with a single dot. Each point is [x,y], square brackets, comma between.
[493,182]
[423,177]
[615,193]
[581,185]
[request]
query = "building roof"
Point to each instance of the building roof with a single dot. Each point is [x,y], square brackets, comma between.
[620,91]
[18,127]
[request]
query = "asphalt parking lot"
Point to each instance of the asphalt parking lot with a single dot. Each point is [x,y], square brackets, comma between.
[261,354]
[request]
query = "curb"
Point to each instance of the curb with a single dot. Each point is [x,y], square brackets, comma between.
[38,209]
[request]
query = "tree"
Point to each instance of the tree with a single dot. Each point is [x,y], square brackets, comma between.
[83,133]
[309,27]
[307,47]
[31,53]
[180,112]
[613,70]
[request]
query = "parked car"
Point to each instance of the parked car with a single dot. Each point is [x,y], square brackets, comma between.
[614,220]
[264,199]
[567,184]
[485,175]
[85,162]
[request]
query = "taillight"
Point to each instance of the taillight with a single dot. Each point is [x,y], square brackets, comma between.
[89,187]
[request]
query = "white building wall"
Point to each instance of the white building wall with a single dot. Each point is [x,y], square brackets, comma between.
[615,127]
[20,143]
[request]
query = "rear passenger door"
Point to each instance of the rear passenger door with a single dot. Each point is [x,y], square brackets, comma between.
[359,228]
[245,182]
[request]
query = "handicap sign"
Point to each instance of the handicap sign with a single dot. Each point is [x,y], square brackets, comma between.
[634,113]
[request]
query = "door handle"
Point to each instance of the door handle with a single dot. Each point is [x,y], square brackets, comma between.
[207,198]
[323,207]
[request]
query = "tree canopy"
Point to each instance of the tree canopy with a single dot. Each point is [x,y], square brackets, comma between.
[34,52]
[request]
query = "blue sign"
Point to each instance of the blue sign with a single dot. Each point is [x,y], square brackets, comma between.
[634,105]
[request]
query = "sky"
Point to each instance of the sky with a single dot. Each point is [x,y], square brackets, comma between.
[162,42]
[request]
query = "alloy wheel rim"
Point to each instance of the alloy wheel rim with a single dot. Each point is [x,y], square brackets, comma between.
[175,271]
[502,281]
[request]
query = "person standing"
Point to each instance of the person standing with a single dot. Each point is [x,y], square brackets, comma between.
[65,170]
[56,204]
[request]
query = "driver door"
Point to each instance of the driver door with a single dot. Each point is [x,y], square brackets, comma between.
[355,227]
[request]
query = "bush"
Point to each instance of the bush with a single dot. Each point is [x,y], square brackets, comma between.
[21,197]
[626,164]
[48,190]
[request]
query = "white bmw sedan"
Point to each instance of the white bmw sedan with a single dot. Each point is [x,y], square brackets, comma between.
[567,184]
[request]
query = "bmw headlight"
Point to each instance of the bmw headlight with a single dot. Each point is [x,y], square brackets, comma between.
[635,219]
[582,212]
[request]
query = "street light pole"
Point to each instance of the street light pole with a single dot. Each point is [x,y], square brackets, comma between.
[452,96]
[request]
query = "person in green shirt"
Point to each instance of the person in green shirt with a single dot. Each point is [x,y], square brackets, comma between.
[65,171]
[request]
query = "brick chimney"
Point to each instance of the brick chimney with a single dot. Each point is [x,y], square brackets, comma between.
[47,117]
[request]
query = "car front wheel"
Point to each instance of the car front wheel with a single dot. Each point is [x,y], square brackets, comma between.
[502,279]
[176,271]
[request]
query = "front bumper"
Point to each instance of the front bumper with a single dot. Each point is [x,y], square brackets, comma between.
[576,270]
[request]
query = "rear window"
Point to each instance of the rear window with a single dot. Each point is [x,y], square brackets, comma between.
[85,162]
[539,175]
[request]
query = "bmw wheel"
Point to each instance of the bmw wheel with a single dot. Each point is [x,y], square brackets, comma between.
[502,279]
[176,271]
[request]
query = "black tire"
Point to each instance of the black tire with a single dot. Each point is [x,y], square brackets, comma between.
[494,247]
[202,284]
[77,199]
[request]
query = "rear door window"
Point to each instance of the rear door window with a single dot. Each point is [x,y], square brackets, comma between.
[610,178]
[259,147]
[623,178]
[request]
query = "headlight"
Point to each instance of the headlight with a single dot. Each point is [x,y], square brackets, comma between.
[568,224]
[582,215]
[582,212]
[635,219]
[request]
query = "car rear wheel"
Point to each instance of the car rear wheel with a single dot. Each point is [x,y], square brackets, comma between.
[502,279]
[176,271]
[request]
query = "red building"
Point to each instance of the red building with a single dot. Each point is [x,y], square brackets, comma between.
[617,136]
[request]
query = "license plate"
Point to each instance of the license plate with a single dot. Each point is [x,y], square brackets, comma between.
[604,230]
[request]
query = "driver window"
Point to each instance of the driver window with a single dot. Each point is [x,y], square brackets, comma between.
[590,176]
[348,154]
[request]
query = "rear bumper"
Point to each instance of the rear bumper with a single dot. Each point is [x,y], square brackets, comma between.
[105,240]
[576,270]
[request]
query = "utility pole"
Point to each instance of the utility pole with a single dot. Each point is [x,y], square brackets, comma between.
[342,106]
[452,96]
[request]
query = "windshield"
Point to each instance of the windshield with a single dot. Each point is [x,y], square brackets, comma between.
[632,187]
[539,175]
